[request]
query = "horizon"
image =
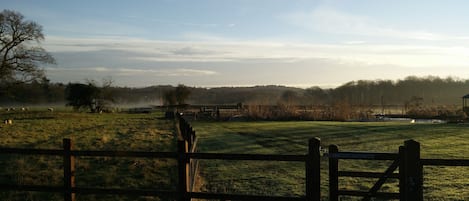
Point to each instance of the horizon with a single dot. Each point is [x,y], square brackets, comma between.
[250,43]
[428,77]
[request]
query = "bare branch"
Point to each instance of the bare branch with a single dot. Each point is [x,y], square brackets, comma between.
[19,57]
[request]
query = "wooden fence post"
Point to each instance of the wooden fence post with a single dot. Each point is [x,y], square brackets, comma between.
[183,170]
[413,172]
[333,174]
[69,171]
[402,174]
[313,170]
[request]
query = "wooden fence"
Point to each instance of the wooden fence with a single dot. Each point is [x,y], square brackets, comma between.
[407,160]
[69,189]
[187,157]
[188,163]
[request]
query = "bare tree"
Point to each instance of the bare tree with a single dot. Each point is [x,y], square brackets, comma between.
[20,50]
[177,95]
[182,93]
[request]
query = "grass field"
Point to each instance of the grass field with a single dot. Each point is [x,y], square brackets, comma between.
[287,179]
[118,131]
[149,132]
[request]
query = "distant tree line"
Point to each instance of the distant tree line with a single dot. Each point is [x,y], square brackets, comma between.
[407,93]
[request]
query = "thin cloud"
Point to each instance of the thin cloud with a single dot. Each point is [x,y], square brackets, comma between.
[167,72]
[192,72]
[329,20]
[186,72]
[191,24]
[355,42]
[131,50]
[192,51]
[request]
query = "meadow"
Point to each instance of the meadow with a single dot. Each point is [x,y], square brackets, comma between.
[287,178]
[118,131]
[151,132]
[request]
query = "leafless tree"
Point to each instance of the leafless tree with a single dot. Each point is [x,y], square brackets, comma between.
[20,50]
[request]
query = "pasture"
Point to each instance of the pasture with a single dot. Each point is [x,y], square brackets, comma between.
[287,179]
[150,132]
[118,131]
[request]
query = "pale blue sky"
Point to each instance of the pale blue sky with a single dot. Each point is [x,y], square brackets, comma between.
[251,42]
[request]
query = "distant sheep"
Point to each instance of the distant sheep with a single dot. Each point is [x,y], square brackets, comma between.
[50,109]
[24,109]
[8,121]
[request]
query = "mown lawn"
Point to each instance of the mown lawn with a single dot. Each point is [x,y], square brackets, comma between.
[287,179]
[117,131]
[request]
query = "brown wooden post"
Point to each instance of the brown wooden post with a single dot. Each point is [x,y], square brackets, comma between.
[313,170]
[333,174]
[402,174]
[183,171]
[69,171]
[413,179]
[189,136]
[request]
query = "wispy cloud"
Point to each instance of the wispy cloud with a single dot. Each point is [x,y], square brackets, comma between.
[140,61]
[136,71]
[165,72]
[192,24]
[134,50]
[330,20]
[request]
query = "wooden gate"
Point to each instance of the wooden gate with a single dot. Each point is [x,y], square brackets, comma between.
[406,161]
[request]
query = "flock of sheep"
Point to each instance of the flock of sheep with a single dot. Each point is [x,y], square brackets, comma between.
[23,109]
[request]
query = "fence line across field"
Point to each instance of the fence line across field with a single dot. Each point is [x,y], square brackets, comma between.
[188,159]
[407,160]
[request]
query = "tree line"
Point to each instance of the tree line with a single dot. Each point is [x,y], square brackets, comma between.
[425,91]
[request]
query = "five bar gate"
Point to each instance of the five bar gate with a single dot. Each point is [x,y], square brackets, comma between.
[406,161]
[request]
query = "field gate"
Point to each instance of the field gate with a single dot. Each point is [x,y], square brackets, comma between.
[406,161]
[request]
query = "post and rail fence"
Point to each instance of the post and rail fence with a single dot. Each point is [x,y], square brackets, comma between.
[188,163]
[407,161]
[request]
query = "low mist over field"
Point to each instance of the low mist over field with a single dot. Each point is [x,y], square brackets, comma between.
[431,91]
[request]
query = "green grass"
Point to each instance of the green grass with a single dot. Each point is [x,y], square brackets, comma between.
[117,131]
[287,179]
[149,132]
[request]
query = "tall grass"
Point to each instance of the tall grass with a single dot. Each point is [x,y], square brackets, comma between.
[118,131]
[287,179]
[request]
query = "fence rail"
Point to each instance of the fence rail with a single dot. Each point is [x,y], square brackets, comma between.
[58,152]
[256,157]
[445,162]
[362,155]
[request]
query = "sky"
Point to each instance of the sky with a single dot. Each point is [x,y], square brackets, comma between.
[211,43]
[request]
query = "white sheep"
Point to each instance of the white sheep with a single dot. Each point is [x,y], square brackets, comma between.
[50,109]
